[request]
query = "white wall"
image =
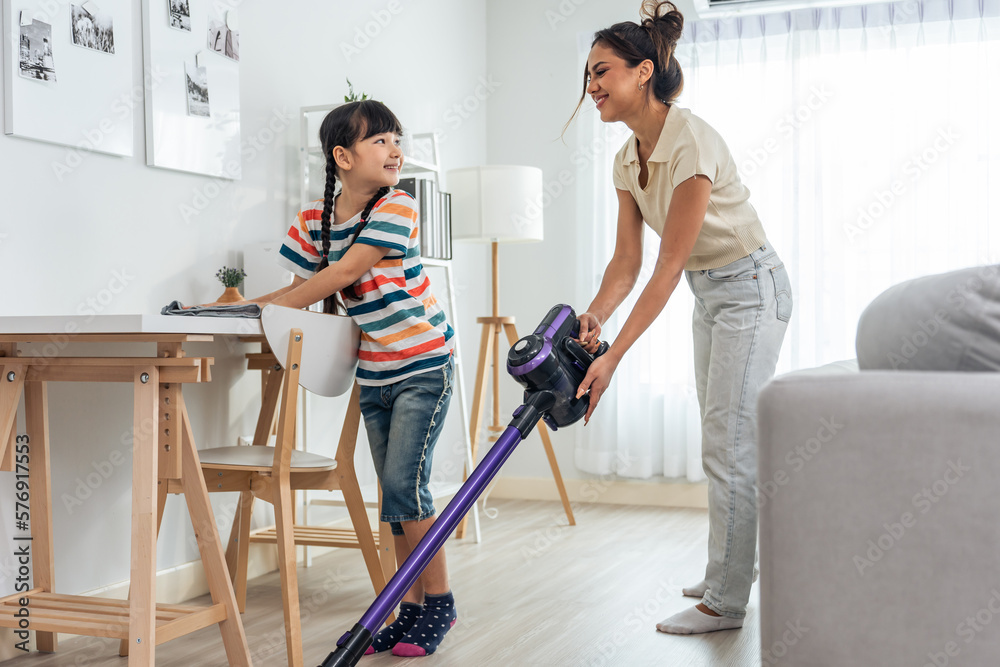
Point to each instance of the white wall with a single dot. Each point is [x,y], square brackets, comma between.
[64,242]
[532,48]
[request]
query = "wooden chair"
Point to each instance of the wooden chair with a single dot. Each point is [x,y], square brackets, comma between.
[325,366]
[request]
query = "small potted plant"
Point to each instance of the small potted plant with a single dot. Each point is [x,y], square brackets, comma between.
[232,279]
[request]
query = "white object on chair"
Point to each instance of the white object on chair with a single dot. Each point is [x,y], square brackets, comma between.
[329,353]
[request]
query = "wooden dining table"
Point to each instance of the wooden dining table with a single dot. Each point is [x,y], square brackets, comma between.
[163,455]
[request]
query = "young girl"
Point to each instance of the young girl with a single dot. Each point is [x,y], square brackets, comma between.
[676,173]
[362,242]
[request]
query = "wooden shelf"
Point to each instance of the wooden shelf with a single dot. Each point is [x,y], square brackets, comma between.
[102,617]
[434,261]
[413,165]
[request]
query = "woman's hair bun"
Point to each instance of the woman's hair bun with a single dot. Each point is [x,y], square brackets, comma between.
[662,19]
[655,39]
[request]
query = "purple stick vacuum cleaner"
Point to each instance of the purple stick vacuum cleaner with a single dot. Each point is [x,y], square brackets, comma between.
[550,364]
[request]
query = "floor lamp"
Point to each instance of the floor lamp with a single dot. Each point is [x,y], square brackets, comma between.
[498,204]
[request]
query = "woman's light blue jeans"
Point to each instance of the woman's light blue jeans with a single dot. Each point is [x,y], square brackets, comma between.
[740,316]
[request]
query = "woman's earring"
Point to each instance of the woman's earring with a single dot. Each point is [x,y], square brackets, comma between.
[640,86]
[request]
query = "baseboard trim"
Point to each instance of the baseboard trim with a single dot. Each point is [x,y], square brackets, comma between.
[615,492]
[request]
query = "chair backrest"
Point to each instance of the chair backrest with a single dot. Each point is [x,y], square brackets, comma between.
[329,346]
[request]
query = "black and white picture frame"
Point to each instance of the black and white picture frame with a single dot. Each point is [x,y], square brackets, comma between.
[223,40]
[35,58]
[92,29]
[179,12]
[196,84]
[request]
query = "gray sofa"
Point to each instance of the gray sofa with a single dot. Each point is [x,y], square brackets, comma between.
[880,489]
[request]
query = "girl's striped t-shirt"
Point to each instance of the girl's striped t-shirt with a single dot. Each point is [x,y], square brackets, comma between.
[404,331]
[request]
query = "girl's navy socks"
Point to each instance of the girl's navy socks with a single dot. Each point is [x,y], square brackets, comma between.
[436,619]
[387,637]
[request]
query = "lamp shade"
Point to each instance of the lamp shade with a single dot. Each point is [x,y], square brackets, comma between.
[496,203]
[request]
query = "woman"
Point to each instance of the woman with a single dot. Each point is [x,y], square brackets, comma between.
[676,173]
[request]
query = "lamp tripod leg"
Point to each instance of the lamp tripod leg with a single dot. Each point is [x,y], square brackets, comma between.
[486,345]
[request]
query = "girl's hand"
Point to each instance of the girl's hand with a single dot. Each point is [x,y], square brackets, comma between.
[590,330]
[597,380]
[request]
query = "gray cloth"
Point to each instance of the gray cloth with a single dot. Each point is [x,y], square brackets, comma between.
[243,309]
[944,322]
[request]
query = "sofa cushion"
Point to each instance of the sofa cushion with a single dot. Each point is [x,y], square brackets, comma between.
[944,322]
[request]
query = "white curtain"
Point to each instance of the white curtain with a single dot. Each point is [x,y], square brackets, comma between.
[869,137]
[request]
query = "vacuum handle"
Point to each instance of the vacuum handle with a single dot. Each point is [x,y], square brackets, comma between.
[580,354]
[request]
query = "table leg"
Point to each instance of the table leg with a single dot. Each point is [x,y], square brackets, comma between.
[161,501]
[142,606]
[36,412]
[168,452]
[7,459]
[210,546]
[10,396]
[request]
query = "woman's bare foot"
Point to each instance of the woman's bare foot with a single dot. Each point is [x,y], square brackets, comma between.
[705,610]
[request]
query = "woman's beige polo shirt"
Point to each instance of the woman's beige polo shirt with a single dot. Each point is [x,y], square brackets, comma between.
[688,146]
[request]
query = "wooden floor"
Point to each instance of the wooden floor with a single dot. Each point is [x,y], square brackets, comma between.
[535,593]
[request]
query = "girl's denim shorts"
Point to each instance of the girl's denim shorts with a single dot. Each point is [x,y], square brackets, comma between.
[404,420]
